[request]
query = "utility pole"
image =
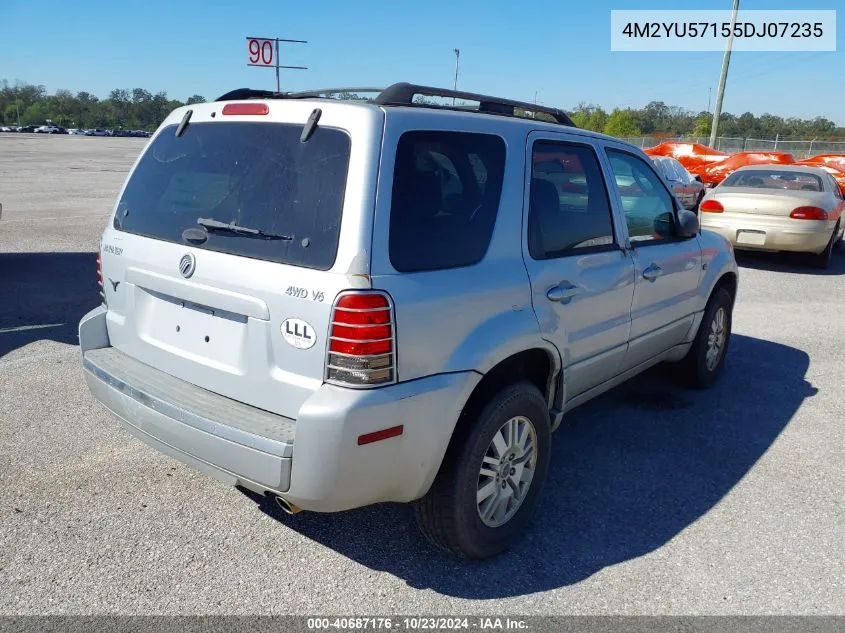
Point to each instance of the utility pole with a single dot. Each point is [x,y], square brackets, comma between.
[709,97]
[457,66]
[720,95]
[19,113]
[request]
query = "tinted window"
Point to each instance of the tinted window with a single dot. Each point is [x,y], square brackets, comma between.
[774,179]
[568,209]
[831,181]
[666,169]
[256,175]
[681,174]
[446,189]
[649,210]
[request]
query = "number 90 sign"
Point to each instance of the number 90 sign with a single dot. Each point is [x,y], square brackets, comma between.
[260,52]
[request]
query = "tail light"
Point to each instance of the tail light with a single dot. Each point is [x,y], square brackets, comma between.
[100,278]
[711,206]
[808,213]
[362,340]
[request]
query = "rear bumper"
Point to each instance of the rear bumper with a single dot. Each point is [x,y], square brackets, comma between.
[781,234]
[315,461]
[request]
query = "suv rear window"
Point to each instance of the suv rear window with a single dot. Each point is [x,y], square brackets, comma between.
[256,175]
[446,189]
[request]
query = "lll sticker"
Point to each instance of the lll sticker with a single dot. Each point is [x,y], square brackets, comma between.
[298,333]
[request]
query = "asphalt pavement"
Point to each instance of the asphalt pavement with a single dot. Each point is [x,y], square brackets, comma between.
[659,501]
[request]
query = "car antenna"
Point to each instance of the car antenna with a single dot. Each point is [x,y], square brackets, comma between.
[310,125]
[184,123]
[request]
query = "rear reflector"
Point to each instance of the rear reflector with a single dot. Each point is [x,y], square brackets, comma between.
[712,206]
[362,342]
[246,108]
[808,213]
[369,438]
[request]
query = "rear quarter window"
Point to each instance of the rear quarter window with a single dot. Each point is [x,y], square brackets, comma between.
[445,197]
[255,175]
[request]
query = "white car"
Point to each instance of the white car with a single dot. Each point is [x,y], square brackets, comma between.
[77,132]
[46,129]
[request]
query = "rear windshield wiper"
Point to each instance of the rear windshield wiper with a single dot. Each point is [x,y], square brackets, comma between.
[242,230]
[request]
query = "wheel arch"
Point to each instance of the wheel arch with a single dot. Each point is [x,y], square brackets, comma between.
[540,366]
[729,281]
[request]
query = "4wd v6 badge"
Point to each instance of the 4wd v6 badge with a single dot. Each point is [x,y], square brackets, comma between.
[298,333]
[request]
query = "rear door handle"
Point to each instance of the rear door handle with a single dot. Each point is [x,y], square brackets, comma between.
[652,272]
[563,292]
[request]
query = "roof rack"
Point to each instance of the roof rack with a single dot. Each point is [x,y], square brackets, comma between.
[249,93]
[404,93]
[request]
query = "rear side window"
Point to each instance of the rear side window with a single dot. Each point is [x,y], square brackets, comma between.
[255,175]
[568,211]
[446,190]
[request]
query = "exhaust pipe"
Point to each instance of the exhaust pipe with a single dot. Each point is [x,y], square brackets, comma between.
[287,506]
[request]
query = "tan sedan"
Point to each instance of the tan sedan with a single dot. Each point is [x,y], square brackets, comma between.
[778,208]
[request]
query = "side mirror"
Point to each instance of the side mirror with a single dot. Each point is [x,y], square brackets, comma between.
[697,177]
[688,225]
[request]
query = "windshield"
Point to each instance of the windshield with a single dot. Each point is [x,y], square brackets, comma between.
[253,175]
[774,179]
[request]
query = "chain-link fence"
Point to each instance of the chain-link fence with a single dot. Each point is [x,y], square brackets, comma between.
[799,149]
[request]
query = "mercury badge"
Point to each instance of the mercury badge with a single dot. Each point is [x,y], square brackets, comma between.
[187,265]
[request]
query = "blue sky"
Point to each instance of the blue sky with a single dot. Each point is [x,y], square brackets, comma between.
[560,49]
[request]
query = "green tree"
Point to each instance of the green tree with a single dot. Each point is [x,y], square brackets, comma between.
[622,123]
[195,99]
[702,124]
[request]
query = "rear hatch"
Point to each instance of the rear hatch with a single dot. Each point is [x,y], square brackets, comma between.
[231,240]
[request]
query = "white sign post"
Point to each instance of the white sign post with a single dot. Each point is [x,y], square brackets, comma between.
[264,51]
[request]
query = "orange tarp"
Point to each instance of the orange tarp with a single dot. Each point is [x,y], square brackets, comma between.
[712,165]
[693,156]
[716,173]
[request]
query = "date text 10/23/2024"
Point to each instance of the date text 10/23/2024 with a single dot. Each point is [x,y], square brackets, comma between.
[418,623]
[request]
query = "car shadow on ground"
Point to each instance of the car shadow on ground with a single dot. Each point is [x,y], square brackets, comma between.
[790,262]
[44,295]
[630,471]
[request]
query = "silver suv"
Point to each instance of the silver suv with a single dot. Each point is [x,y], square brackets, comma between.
[339,303]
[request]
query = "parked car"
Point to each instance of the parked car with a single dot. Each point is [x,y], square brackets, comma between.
[96,132]
[4,128]
[688,189]
[28,128]
[47,129]
[778,208]
[402,308]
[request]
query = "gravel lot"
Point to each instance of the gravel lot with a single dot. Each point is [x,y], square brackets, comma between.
[660,500]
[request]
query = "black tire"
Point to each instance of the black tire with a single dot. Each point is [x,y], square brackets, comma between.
[822,260]
[448,514]
[693,369]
